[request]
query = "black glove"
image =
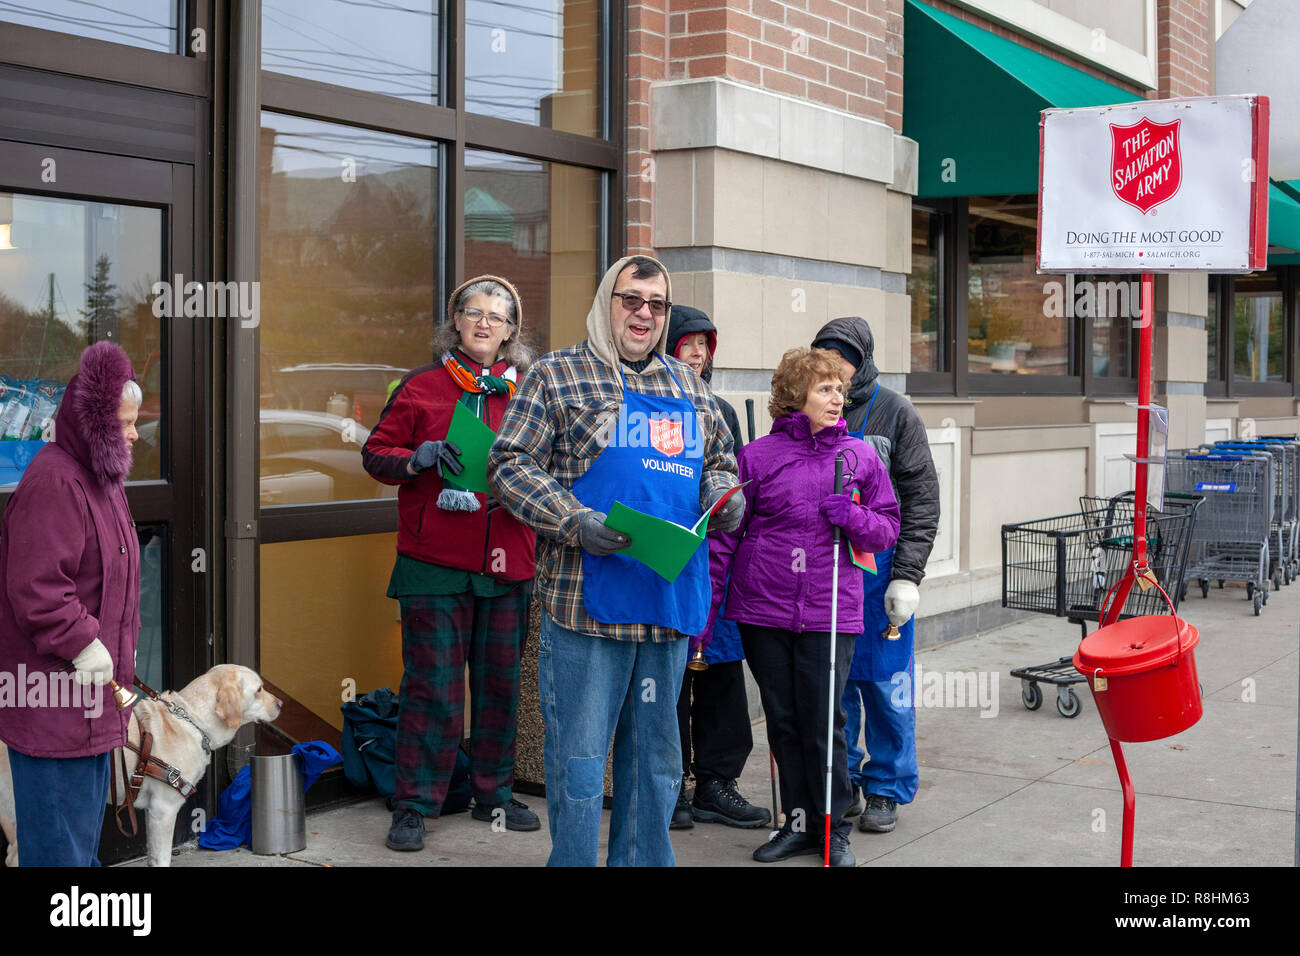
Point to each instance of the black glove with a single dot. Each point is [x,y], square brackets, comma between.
[439,454]
[598,539]
[729,515]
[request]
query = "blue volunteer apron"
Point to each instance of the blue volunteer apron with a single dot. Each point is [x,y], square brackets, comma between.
[874,658]
[650,467]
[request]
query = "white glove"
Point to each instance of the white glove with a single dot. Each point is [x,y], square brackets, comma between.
[93,664]
[901,600]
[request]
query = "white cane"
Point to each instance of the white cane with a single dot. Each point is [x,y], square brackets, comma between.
[830,691]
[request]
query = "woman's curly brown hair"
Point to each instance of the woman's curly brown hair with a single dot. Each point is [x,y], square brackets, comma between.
[798,371]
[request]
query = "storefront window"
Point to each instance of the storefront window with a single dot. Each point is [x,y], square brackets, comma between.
[535,62]
[75,272]
[1109,304]
[1019,322]
[538,225]
[925,286]
[150,24]
[347,227]
[1258,331]
[388,48]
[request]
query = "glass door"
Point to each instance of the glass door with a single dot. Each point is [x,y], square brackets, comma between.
[85,242]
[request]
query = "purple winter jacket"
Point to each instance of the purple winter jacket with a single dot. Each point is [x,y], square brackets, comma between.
[779,559]
[70,572]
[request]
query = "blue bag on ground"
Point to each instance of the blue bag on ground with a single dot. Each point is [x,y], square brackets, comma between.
[370,750]
[233,824]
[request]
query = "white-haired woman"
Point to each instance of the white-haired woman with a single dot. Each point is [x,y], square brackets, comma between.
[464,567]
[70,599]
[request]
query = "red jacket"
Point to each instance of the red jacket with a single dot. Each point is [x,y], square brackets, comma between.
[490,540]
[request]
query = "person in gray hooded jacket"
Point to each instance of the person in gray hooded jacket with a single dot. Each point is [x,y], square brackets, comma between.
[886,420]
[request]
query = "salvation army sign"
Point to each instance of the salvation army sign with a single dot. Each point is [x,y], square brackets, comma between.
[1155,186]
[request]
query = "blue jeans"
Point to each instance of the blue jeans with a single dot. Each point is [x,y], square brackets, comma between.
[59,803]
[890,740]
[593,689]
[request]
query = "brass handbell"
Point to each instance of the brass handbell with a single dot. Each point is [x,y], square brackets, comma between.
[124,697]
[890,633]
[697,661]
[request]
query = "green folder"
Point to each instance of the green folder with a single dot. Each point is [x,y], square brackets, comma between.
[663,546]
[473,438]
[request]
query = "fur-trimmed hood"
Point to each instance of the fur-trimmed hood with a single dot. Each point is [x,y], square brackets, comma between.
[87,426]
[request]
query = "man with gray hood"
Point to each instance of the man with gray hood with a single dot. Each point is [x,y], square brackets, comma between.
[613,418]
[886,420]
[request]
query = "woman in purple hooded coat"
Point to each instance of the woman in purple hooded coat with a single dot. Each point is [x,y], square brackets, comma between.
[779,561]
[70,613]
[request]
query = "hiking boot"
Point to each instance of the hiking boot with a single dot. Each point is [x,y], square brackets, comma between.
[682,819]
[407,830]
[855,808]
[880,815]
[718,801]
[841,855]
[786,844]
[517,815]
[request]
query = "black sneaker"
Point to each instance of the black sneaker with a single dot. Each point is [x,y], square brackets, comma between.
[718,801]
[682,818]
[517,815]
[880,815]
[786,844]
[855,808]
[407,830]
[841,854]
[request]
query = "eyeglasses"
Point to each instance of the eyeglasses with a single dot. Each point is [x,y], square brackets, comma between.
[633,303]
[493,319]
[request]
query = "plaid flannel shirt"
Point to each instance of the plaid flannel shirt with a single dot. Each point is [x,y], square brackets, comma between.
[551,434]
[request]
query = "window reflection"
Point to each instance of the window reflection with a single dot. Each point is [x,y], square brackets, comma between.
[150,24]
[377,47]
[348,283]
[538,225]
[925,286]
[1212,372]
[72,273]
[535,62]
[1259,336]
[1020,322]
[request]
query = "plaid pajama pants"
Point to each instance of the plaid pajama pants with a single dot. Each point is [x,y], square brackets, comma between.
[440,635]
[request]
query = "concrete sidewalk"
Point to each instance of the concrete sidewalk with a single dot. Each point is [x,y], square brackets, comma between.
[1017,789]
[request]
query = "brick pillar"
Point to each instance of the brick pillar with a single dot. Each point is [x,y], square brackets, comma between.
[1183,47]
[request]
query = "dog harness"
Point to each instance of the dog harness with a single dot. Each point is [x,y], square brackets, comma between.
[147,765]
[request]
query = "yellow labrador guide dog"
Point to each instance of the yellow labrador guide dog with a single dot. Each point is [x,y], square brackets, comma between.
[186,727]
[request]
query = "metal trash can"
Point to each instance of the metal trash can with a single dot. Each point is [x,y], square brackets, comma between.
[279,810]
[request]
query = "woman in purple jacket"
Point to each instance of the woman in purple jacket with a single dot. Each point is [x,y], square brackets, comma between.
[779,564]
[70,613]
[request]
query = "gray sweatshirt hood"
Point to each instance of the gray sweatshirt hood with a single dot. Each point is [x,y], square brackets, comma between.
[599,335]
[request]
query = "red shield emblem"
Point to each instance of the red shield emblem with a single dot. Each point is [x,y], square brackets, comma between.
[666,436]
[1146,163]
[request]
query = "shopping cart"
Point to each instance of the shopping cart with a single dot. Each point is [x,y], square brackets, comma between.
[1066,566]
[1286,458]
[1230,541]
[1291,534]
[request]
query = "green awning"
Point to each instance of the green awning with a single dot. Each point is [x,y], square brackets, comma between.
[1284,222]
[971,99]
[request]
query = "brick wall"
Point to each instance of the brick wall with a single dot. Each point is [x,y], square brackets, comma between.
[847,54]
[1183,47]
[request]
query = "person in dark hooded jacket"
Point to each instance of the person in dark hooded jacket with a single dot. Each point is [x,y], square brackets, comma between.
[887,421]
[70,613]
[712,706]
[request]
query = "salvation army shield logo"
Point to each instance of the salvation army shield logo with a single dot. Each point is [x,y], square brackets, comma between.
[1146,163]
[666,436]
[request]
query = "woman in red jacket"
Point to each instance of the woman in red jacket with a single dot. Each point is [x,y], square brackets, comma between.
[464,567]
